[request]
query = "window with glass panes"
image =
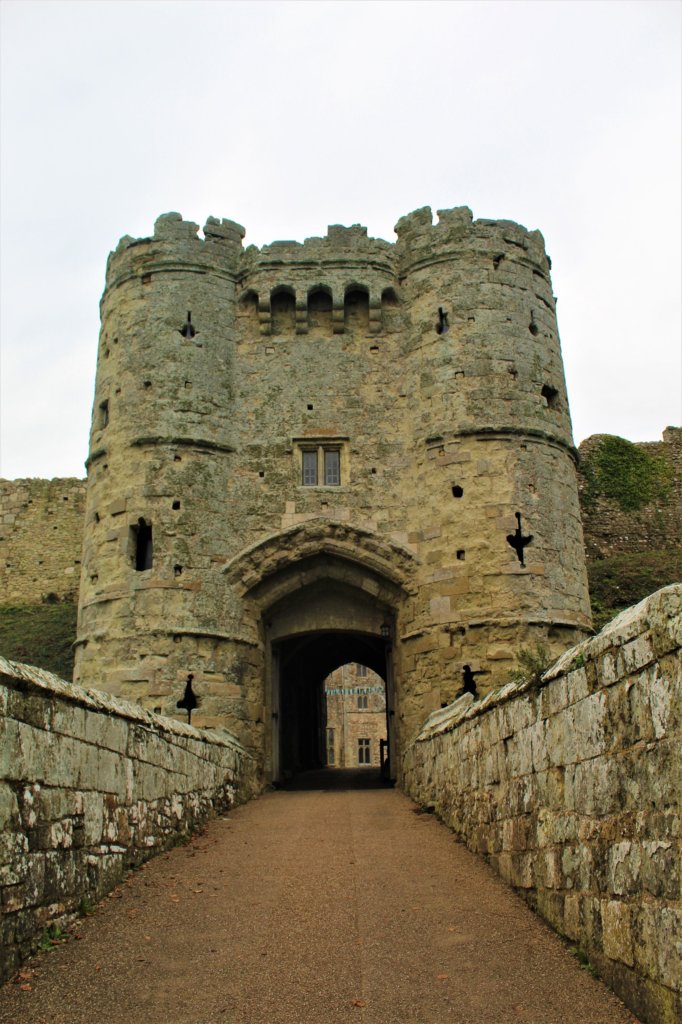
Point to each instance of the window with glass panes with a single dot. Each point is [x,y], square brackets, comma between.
[310,468]
[332,467]
[364,751]
[321,466]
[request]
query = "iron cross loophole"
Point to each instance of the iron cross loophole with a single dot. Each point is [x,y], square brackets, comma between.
[188,329]
[189,700]
[469,677]
[518,541]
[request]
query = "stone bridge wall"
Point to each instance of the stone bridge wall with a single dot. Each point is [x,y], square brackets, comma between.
[89,787]
[571,790]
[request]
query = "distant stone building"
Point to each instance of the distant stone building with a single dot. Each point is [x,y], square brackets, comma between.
[356,729]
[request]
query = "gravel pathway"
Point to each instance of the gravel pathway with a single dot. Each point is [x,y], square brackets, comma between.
[324,905]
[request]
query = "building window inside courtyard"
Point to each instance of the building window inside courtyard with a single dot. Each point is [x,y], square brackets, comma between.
[355,699]
[331,757]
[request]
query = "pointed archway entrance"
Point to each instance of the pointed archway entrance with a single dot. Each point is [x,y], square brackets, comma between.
[320,595]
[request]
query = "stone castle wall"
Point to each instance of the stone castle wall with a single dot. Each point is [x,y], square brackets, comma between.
[341,417]
[571,790]
[652,516]
[89,787]
[41,536]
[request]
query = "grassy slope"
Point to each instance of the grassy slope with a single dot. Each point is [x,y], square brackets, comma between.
[624,579]
[39,634]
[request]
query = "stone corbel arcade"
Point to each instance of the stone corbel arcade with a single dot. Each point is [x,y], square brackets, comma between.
[319,596]
[288,309]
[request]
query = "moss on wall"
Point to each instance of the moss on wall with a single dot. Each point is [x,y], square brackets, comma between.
[623,472]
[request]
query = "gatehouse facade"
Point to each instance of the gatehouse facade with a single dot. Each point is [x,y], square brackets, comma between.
[313,454]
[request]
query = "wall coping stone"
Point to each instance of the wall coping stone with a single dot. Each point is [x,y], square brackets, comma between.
[664,604]
[49,684]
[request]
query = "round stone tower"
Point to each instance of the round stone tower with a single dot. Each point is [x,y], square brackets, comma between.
[493,496]
[341,450]
[161,450]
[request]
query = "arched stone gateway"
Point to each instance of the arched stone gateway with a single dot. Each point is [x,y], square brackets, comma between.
[321,595]
[294,446]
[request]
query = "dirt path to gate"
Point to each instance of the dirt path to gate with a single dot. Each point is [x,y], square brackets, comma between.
[323,906]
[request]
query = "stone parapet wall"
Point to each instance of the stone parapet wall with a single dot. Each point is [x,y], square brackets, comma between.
[41,531]
[571,789]
[90,787]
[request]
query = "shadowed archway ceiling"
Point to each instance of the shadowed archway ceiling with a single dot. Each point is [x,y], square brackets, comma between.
[318,654]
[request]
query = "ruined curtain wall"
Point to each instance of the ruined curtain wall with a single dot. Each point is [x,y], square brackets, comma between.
[41,531]
[571,789]
[631,494]
[90,787]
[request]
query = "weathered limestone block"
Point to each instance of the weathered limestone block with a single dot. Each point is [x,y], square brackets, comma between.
[617,925]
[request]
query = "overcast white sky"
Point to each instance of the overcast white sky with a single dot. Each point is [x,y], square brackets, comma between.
[286,117]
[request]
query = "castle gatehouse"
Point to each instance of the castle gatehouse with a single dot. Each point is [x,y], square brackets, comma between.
[338,451]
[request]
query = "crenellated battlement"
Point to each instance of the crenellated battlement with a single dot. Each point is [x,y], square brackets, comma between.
[415,230]
[176,246]
[422,242]
[496,254]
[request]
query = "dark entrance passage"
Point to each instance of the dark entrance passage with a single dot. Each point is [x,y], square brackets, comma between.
[304,662]
[318,615]
[336,780]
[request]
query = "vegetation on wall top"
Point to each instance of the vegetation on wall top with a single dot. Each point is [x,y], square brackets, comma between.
[623,472]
